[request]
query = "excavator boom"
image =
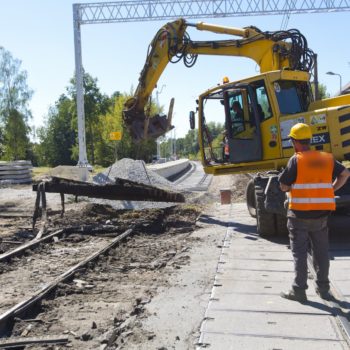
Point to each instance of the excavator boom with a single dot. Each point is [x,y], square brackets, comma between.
[270,50]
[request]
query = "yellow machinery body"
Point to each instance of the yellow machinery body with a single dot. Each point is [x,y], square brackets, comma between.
[262,143]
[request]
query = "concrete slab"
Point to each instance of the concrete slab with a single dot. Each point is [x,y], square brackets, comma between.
[256,264]
[257,275]
[233,342]
[278,325]
[266,302]
[283,254]
[340,264]
[255,287]
[343,287]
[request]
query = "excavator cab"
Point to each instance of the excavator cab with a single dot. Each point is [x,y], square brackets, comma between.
[257,113]
[242,123]
[238,109]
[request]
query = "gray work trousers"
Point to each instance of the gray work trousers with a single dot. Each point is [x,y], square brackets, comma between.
[304,233]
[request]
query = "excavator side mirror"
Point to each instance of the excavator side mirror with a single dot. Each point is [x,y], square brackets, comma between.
[192,120]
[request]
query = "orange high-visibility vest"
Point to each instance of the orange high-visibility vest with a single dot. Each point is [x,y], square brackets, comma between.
[313,188]
[227,149]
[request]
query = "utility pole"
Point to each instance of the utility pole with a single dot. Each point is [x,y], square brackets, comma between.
[79,77]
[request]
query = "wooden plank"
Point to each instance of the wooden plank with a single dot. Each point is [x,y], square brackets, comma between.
[17,342]
[122,189]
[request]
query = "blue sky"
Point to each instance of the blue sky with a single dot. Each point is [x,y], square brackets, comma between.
[40,34]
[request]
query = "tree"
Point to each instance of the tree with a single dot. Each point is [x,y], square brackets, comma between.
[95,104]
[57,137]
[14,111]
[106,150]
[322,91]
[16,142]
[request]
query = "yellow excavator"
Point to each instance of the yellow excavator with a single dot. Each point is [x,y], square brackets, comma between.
[257,112]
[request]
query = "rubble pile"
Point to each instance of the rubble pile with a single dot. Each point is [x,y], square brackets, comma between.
[133,170]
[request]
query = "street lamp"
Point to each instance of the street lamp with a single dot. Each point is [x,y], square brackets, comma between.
[332,73]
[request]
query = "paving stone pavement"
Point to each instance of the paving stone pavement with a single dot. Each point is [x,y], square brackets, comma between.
[245,310]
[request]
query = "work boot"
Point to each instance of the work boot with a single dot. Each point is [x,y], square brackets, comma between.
[324,294]
[296,295]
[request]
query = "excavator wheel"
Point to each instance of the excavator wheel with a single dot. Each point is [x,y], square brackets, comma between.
[250,198]
[265,221]
[281,225]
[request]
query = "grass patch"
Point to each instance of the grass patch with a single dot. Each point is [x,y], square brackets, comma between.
[41,171]
[97,169]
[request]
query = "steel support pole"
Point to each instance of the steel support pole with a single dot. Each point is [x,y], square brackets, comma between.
[79,74]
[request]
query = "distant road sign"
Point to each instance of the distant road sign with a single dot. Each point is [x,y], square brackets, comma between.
[115,136]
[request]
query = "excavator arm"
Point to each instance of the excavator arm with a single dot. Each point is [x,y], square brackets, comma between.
[270,50]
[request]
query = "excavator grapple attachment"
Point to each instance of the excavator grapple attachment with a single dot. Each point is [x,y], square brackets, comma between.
[141,127]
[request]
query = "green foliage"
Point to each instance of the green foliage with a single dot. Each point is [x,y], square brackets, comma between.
[14,112]
[16,142]
[95,104]
[14,91]
[57,137]
[322,91]
[188,145]
[103,115]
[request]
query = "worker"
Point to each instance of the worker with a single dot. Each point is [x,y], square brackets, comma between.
[226,147]
[237,117]
[237,109]
[308,179]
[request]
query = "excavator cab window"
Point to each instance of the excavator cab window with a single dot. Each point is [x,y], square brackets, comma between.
[237,122]
[292,96]
[239,139]
[263,103]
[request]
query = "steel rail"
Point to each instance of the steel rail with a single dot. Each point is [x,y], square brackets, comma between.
[31,244]
[15,343]
[25,305]
[87,229]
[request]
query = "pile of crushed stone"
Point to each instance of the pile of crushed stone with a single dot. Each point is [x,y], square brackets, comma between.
[133,170]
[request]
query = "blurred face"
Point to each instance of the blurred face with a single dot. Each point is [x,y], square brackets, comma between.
[298,147]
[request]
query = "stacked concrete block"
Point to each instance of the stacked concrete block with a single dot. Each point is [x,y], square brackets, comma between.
[15,172]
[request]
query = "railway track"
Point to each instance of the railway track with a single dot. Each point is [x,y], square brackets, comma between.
[44,271]
[37,275]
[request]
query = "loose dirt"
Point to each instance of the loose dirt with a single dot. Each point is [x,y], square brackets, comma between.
[148,293]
